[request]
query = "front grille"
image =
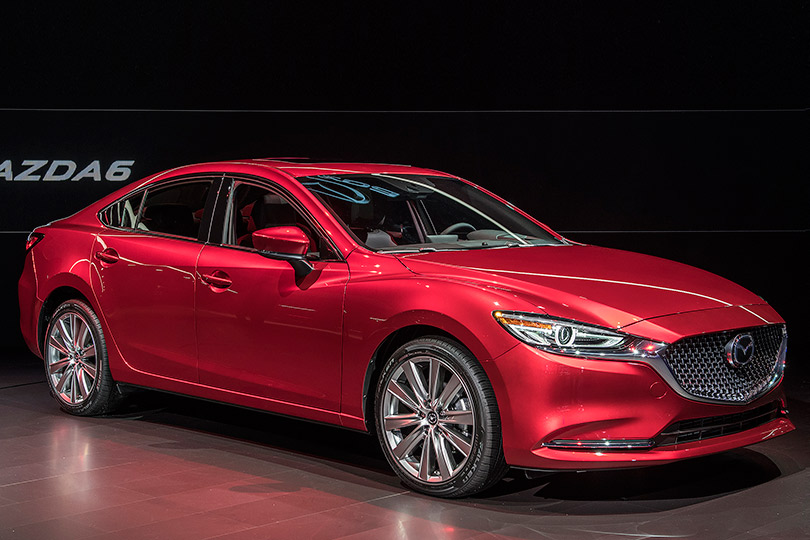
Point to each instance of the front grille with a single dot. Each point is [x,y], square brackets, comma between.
[699,364]
[717,426]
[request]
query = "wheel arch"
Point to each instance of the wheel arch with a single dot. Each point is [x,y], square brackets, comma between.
[391,343]
[54,299]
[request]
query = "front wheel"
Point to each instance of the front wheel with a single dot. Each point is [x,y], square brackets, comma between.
[437,419]
[76,361]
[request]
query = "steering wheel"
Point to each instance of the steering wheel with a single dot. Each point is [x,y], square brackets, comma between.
[456,226]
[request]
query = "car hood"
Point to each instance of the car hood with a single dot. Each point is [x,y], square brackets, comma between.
[602,286]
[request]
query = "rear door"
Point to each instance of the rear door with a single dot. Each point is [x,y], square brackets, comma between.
[145,275]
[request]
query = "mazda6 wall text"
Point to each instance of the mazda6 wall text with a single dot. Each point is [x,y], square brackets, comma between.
[407,302]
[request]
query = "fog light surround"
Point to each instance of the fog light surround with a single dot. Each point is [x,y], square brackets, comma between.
[600,445]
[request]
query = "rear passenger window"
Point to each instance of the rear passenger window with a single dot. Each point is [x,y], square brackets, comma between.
[175,210]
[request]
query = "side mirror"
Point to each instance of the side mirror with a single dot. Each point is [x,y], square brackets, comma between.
[285,243]
[282,240]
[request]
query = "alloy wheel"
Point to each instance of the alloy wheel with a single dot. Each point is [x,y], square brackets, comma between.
[71,358]
[428,419]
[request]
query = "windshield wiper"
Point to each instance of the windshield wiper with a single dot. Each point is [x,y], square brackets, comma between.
[423,249]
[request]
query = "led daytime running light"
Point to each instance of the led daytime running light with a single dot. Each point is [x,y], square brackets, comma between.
[572,338]
[503,319]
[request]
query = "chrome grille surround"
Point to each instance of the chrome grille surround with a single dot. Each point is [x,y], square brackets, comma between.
[698,364]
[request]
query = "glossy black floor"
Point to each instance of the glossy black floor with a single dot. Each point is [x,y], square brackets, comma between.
[176,468]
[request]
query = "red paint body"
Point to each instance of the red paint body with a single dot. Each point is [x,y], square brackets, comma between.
[231,325]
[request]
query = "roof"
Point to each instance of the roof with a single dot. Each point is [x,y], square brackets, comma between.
[304,167]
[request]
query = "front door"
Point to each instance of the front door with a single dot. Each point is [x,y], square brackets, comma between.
[261,331]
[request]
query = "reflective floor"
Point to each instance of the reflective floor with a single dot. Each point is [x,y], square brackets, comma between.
[174,468]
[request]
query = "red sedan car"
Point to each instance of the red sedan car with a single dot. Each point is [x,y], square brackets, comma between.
[403,301]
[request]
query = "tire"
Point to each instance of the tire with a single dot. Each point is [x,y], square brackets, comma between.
[76,366]
[437,420]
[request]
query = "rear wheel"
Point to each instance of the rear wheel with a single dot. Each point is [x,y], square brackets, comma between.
[76,361]
[437,419]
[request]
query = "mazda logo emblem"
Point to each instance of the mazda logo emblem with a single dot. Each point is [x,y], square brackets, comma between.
[740,350]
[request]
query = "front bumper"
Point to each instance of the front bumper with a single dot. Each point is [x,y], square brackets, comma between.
[546,399]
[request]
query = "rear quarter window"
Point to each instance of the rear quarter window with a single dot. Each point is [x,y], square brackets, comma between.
[124,213]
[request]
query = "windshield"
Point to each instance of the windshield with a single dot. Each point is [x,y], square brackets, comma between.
[409,212]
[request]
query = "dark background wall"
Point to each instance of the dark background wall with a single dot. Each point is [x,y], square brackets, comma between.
[681,132]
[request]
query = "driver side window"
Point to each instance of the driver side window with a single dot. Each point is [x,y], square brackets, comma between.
[252,208]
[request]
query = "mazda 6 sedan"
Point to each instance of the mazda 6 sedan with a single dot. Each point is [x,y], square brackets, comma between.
[405,302]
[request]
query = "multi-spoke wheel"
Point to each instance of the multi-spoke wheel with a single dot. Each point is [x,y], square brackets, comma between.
[437,419]
[76,361]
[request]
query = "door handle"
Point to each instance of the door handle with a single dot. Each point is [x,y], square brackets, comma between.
[108,256]
[217,279]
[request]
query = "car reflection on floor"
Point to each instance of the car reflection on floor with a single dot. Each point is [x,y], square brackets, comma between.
[176,467]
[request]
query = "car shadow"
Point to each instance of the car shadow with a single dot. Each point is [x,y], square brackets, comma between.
[292,435]
[646,489]
[355,457]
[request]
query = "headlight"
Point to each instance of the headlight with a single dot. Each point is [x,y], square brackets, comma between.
[574,338]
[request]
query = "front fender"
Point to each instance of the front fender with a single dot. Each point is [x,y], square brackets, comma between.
[390,298]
